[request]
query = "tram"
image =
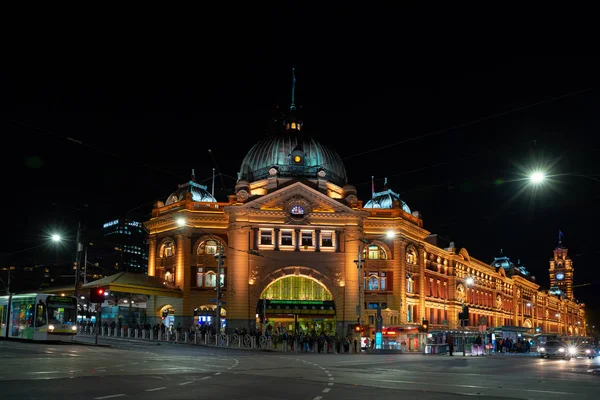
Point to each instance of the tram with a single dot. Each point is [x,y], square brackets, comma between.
[36,316]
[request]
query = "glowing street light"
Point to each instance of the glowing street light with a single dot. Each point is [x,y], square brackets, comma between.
[537,177]
[180,221]
[469,281]
[56,238]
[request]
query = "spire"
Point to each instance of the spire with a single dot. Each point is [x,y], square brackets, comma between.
[385,186]
[293,105]
[193,175]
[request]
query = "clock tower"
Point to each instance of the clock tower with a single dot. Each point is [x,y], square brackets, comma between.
[561,272]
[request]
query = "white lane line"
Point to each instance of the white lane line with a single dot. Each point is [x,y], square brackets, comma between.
[100,368]
[318,398]
[328,374]
[185,383]
[326,390]
[330,383]
[218,373]
[109,397]
[155,389]
[206,377]
[472,386]
[330,379]
[119,365]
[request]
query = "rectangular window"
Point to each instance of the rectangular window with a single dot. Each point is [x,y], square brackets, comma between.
[326,239]
[286,238]
[266,237]
[307,238]
[199,277]
[383,281]
[373,306]
[409,313]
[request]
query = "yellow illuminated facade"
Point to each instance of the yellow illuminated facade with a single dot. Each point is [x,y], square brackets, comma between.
[294,234]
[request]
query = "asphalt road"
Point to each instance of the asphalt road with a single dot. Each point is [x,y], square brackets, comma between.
[136,370]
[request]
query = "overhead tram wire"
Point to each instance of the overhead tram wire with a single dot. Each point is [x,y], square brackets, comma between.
[469,123]
[81,143]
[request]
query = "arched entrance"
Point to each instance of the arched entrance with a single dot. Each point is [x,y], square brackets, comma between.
[205,315]
[527,323]
[297,303]
[167,315]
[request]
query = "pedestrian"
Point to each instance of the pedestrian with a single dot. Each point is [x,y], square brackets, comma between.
[450,341]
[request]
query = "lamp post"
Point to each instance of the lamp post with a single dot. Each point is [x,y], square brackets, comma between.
[468,282]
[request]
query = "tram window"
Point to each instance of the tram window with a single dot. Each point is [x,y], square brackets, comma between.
[40,314]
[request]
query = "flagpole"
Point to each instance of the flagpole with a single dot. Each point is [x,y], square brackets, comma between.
[372,187]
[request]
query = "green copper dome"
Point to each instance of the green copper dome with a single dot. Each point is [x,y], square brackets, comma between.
[294,154]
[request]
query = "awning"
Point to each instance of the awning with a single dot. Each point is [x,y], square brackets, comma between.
[128,282]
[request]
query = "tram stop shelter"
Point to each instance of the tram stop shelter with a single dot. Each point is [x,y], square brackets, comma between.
[135,298]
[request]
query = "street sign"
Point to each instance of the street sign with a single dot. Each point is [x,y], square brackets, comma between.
[212,300]
[223,302]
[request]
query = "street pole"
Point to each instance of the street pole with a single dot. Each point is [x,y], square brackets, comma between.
[78,249]
[462,322]
[219,258]
[8,282]
[358,270]
[85,267]
[98,325]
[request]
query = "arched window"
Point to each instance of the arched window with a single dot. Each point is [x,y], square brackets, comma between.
[410,285]
[411,256]
[208,247]
[373,283]
[374,252]
[210,279]
[167,249]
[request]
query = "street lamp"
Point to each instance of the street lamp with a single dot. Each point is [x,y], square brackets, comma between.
[56,238]
[537,177]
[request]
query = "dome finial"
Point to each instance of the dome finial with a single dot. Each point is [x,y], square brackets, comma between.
[293,105]
[385,186]
[193,175]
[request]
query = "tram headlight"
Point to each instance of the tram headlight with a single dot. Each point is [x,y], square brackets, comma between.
[50,328]
[572,350]
[73,328]
[542,349]
[587,351]
[561,350]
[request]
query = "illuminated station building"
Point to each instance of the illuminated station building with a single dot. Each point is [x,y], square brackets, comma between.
[292,236]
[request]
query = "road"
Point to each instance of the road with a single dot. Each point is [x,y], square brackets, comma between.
[137,370]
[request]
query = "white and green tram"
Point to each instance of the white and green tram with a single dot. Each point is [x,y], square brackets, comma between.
[38,316]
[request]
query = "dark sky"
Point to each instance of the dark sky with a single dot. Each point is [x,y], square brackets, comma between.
[112,129]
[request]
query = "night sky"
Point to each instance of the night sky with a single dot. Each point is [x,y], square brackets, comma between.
[105,134]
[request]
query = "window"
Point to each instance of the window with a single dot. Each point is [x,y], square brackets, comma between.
[411,256]
[266,237]
[199,276]
[208,247]
[409,316]
[326,239]
[307,238]
[40,314]
[410,285]
[373,306]
[167,249]
[382,280]
[373,283]
[287,238]
[374,252]
[211,279]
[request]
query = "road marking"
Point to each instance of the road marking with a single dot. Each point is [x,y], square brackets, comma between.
[218,373]
[185,383]
[119,365]
[109,397]
[328,374]
[473,386]
[206,377]
[100,368]
[326,390]
[155,389]
[330,379]
[318,398]
[330,383]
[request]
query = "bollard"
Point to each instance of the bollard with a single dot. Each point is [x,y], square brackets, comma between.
[206,339]
[315,348]
[196,337]
[228,340]
[122,332]
[284,346]
[176,337]
[151,334]
[185,337]
[143,334]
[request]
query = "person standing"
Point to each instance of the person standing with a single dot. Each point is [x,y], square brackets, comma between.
[450,341]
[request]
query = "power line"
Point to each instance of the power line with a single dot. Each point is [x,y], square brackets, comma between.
[89,146]
[472,122]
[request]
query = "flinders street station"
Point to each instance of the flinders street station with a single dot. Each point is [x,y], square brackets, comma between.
[297,249]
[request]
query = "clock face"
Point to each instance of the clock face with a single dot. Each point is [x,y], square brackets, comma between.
[297,210]
[560,276]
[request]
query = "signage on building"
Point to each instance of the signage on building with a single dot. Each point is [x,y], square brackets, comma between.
[111,223]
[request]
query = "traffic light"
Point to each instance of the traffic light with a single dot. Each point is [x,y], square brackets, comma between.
[97,295]
[357,328]
[425,325]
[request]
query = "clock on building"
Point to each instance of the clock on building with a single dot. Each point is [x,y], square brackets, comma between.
[560,276]
[297,210]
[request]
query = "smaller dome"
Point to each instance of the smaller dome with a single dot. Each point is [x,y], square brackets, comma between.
[503,262]
[386,199]
[198,192]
